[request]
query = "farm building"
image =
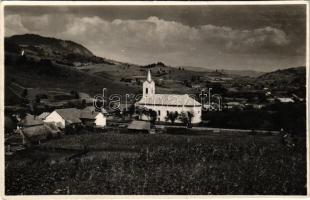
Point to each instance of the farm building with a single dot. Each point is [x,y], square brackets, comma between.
[32,129]
[93,118]
[30,121]
[73,116]
[139,126]
[163,104]
[64,117]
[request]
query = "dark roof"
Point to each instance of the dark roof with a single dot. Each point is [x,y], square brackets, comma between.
[43,115]
[85,114]
[139,125]
[31,120]
[71,115]
[35,132]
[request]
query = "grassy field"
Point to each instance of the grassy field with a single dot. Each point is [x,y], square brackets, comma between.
[159,164]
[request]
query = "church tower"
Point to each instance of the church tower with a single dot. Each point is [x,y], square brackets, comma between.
[148,86]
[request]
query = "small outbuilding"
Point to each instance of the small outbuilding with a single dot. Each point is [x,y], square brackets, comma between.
[137,126]
[93,118]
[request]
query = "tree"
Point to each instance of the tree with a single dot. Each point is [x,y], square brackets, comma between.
[183,118]
[83,104]
[38,99]
[131,110]
[172,116]
[75,94]
[25,93]
[190,116]
[153,116]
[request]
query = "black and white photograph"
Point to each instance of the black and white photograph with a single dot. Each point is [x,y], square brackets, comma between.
[146,98]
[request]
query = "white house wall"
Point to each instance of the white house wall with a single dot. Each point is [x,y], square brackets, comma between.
[55,118]
[101,120]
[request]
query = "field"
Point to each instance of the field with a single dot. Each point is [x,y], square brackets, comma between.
[115,163]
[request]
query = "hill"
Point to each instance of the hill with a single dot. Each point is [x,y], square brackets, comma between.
[48,64]
[291,80]
[62,51]
[249,73]
[54,64]
[294,77]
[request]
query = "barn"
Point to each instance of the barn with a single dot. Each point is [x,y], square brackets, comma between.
[74,116]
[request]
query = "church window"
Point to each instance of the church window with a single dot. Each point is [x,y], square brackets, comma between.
[159,112]
[146,90]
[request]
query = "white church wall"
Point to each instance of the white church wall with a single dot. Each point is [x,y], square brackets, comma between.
[162,112]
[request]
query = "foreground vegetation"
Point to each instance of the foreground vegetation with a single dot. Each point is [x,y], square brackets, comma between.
[112,163]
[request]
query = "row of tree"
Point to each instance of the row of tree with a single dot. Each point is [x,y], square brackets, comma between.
[184,117]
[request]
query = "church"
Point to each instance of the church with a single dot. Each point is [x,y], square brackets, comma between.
[165,103]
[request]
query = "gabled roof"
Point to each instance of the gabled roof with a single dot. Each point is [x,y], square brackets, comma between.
[169,100]
[43,115]
[85,114]
[139,125]
[31,120]
[92,108]
[72,115]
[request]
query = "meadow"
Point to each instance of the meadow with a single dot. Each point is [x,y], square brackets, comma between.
[114,163]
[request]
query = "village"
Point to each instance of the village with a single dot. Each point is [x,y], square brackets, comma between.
[150,113]
[86,141]
[155,99]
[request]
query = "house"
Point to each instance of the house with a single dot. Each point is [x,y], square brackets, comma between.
[93,118]
[64,117]
[196,86]
[285,100]
[234,105]
[33,130]
[163,104]
[73,116]
[139,126]
[30,121]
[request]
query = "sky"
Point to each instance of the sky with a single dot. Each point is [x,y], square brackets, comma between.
[247,37]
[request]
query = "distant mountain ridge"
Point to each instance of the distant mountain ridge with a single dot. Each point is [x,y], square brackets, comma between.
[250,73]
[291,77]
[71,65]
[50,48]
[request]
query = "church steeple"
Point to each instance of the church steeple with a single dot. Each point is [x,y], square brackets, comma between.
[148,86]
[149,77]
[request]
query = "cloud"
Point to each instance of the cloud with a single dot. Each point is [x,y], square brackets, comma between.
[13,25]
[151,39]
[255,40]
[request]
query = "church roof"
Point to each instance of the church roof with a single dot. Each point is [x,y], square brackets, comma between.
[169,100]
